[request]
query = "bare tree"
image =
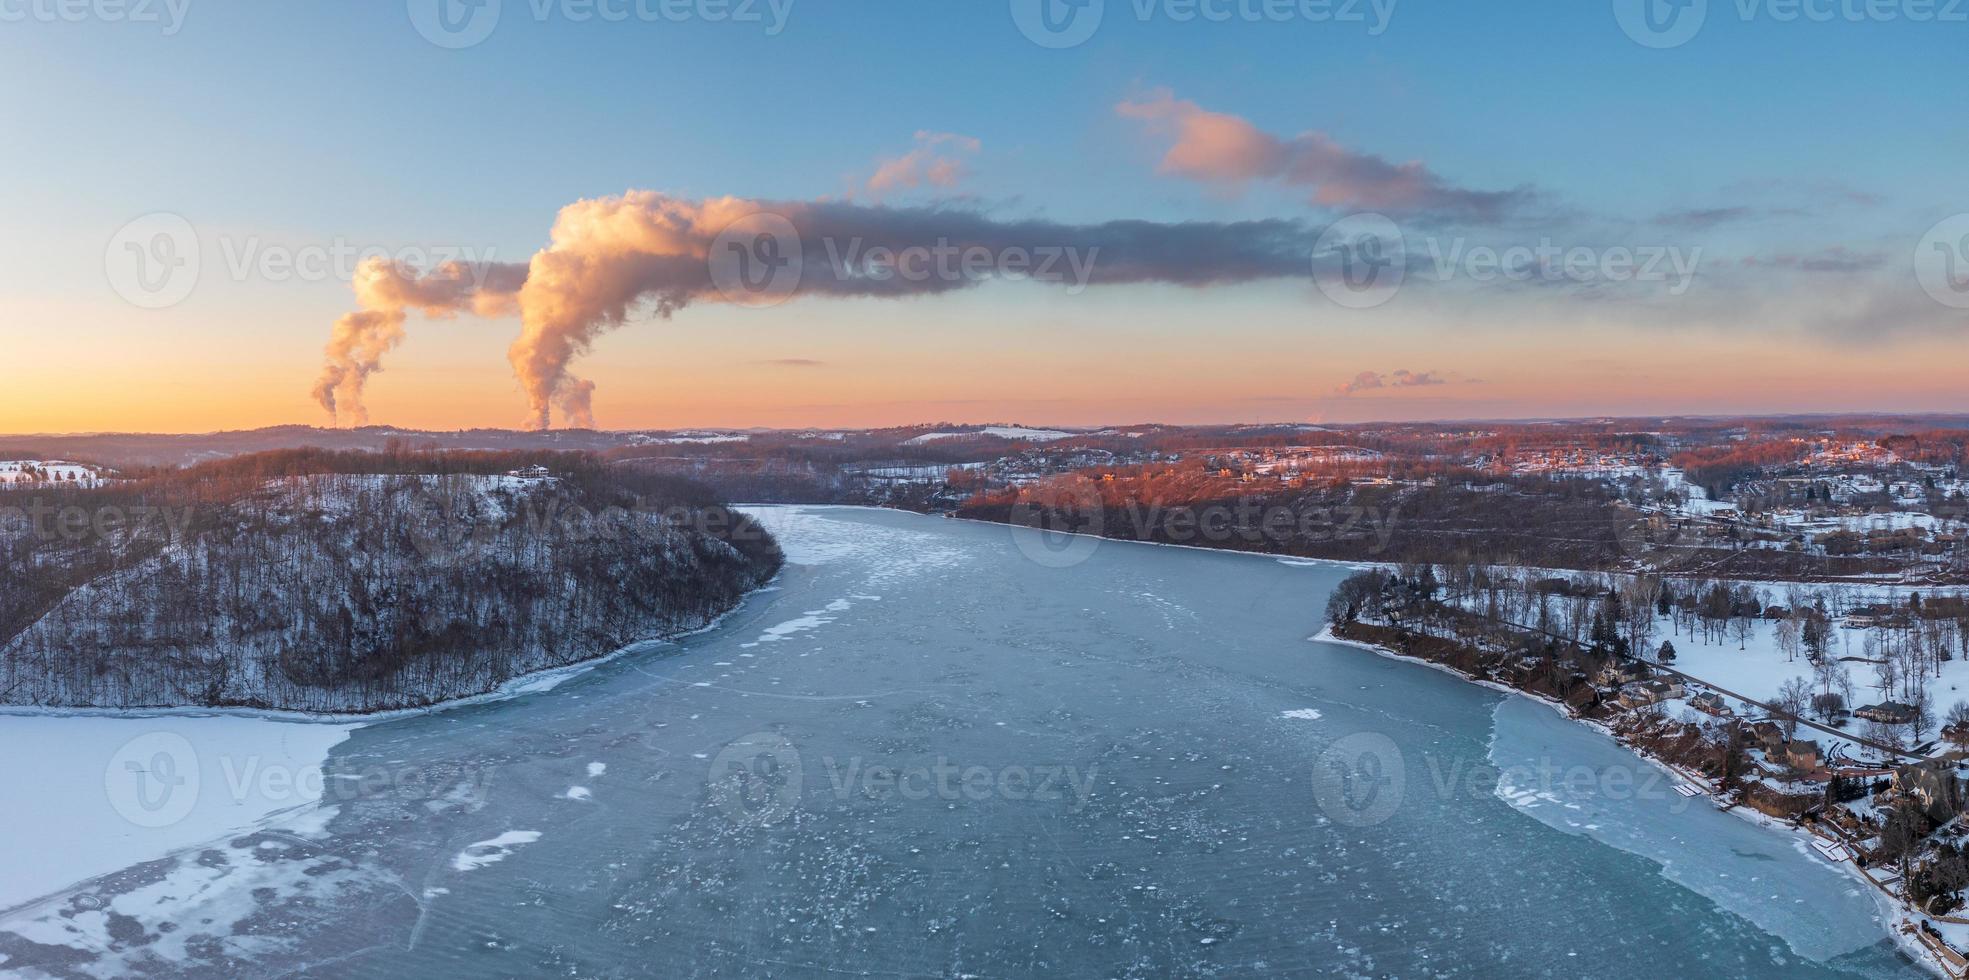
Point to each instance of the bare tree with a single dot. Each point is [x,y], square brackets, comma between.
[1790,634]
[1789,705]
[1742,628]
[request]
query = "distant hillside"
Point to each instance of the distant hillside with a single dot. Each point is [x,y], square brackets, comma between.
[324,581]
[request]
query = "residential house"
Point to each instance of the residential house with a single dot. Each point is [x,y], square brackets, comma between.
[1643,693]
[1710,703]
[1888,713]
[1803,755]
[1768,736]
[1618,673]
[1932,784]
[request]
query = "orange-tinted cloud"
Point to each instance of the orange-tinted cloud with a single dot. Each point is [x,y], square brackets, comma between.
[937,161]
[1219,147]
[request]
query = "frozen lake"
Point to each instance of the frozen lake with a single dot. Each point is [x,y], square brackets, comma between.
[942,749]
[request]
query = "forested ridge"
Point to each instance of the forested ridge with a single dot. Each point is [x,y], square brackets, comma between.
[353,581]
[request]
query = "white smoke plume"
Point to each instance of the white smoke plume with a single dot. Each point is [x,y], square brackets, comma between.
[611,259]
[385,290]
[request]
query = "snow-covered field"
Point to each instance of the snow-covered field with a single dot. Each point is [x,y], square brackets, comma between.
[34,472]
[1899,520]
[95,793]
[1760,666]
[1001,431]
[703,440]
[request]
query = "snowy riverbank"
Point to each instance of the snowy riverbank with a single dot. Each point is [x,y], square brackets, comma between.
[1889,916]
[101,789]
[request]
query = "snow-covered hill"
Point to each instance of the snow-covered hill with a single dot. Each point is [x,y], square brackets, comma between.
[353,592]
[1014,432]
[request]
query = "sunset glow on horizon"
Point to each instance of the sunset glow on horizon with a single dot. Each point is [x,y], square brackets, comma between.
[1206,228]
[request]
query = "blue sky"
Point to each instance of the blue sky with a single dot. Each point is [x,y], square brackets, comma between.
[312,122]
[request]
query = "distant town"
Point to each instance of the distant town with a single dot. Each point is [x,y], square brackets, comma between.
[1816,499]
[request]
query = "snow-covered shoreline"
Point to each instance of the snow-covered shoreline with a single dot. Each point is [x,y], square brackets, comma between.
[251,769]
[1891,916]
[535,682]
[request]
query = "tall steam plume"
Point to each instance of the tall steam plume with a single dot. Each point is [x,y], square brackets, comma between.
[609,259]
[384,291]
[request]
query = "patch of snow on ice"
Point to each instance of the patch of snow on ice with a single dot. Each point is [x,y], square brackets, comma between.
[492,851]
